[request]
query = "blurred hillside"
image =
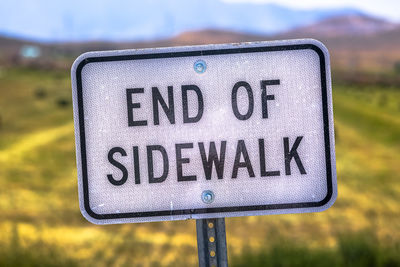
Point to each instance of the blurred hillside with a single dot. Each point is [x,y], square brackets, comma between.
[363,49]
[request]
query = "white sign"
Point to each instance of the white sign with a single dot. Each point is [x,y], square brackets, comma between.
[204,131]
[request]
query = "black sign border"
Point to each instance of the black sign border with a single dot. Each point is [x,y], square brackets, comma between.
[199,53]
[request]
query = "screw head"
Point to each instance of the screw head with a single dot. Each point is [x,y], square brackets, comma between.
[207,196]
[200,66]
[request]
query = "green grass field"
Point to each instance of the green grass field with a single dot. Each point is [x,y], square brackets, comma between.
[41,225]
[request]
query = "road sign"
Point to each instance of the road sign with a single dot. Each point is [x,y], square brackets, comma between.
[204,131]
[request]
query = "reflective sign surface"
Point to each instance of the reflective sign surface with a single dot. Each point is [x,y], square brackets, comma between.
[204,131]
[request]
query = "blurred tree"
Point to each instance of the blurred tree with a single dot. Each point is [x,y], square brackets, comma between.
[40,93]
[62,102]
[397,67]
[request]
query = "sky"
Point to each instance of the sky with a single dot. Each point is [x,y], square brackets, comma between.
[389,9]
[77,20]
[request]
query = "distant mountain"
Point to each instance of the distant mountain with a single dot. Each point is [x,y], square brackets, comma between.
[346,25]
[354,42]
[210,36]
[126,20]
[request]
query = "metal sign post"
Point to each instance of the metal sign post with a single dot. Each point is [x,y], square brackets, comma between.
[211,242]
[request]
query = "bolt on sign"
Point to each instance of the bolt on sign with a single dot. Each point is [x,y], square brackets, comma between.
[204,131]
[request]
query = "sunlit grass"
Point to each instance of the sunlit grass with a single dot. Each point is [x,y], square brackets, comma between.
[357,249]
[39,199]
